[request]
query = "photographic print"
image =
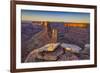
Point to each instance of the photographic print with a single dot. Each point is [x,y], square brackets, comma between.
[52,36]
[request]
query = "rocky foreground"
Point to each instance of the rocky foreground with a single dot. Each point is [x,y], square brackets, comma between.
[61,52]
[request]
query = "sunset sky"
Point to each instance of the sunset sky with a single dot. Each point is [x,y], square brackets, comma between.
[36,15]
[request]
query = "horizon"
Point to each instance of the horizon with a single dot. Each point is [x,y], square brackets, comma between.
[55,22]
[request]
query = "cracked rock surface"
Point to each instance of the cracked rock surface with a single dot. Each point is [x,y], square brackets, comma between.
[58,54]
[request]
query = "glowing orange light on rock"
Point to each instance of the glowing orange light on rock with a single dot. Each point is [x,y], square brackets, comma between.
[80,25]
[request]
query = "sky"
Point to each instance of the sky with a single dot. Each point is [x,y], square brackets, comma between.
[55,16]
